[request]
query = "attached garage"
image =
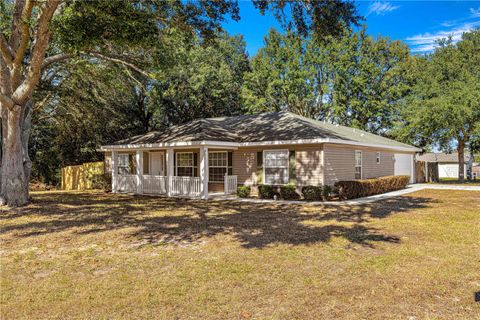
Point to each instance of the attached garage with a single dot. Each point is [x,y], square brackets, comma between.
[404,166]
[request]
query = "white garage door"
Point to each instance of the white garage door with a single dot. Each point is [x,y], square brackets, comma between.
[404,165]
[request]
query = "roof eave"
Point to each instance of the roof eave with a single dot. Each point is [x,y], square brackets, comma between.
[235,145]
[179,144]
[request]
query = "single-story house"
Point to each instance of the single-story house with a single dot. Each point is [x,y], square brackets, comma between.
[218,154]
[448,166]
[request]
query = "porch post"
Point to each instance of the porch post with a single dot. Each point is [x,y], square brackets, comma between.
[139,165]
[170,169]
[204,172]
[114,170]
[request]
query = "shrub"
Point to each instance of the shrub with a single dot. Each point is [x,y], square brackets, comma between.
[289,192]
[102,181]
[364,188]
[326,192]
[243,191]
[266,191]
[312,193]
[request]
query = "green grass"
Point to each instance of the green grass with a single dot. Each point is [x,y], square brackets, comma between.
[90,255]
[455,181]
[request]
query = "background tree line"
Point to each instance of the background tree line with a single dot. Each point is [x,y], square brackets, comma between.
[355,80]
[114,69]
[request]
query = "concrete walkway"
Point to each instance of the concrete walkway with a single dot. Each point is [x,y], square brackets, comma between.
[409,189]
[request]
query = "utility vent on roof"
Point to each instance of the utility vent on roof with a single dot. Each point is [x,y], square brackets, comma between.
[362,134]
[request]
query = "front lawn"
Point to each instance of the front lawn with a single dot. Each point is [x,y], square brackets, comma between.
[90,255]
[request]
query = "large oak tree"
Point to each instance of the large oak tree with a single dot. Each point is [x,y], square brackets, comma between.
[443,107]
[35,34]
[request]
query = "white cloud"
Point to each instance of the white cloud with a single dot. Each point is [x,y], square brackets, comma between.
[380,8]
[475,12]
[426,42]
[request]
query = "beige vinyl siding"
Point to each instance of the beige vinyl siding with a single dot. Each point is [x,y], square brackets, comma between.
[372,169]
[107,162]
[245,166]
[340,163]
[309,170]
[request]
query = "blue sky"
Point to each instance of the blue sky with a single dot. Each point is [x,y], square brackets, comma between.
[418,23]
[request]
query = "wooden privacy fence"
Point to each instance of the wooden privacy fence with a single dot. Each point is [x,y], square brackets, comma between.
[80,177]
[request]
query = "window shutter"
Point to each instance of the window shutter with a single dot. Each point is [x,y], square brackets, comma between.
[174,164]
[292,165]
[195,164]
[259,167]
[230,163]
[146,163]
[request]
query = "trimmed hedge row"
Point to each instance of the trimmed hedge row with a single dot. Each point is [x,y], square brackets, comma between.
[363,188]
[350,189]
[312,193]
[289,192]
[243,191]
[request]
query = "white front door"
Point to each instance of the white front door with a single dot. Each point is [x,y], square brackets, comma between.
[157,163]
[404,166]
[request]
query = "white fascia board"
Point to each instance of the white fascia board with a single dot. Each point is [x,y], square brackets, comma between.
[178,144]
[375,145]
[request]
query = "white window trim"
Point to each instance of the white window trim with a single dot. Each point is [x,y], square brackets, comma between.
[209,166]
[361,163]
[120,155]
[378,157]
[176,163]
[288,165]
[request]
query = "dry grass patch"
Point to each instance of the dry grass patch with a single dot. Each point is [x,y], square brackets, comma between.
[90,255]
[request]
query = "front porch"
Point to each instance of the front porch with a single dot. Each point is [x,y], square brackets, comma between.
[188,172]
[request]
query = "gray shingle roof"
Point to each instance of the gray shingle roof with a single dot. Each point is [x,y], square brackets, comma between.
[441,157]
[273,126]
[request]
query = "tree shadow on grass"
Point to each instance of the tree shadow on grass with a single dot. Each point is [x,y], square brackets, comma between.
[166,220]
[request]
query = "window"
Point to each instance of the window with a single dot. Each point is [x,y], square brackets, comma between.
[358,164]
[123,164]
[275,163]
[217,166]
[378,157]
[184,164]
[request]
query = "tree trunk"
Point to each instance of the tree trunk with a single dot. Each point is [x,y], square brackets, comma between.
[461,161]
[14,190]
[26,129]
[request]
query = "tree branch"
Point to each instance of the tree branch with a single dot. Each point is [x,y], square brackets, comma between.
[42,37]
[56,58]
[16,19]
[5,50]
[23,45]
[118,59]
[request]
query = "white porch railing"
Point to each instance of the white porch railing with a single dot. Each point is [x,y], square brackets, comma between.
[154,184]
[127,183]
[230,184]
[185,186]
